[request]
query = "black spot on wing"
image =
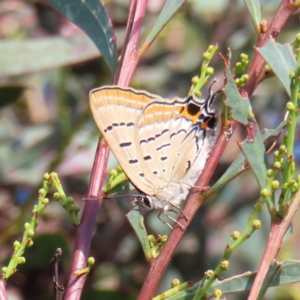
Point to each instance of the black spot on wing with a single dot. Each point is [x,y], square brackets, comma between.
[147,157]
[130,124]
[151,139]
[212,122]
[115,124]
[125,144]
[178,132]
[164,131]
[181,110]
[141,174]
[197,142]
[163,158]
[108,128]
[133,161]
[143,142]
[154,172]
[188,165]
[122,124]
[193,109]
[181,130]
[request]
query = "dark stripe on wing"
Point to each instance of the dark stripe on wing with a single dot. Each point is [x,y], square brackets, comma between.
[133,161]
[125,144]
[163,146]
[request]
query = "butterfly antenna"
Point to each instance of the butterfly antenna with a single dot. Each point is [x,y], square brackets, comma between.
[108,197]
[210,92]
[120,195]
[211,95]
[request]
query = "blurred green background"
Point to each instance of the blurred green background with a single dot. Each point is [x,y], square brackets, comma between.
[47,68]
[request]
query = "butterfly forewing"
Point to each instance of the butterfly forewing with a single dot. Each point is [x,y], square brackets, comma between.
[116,111]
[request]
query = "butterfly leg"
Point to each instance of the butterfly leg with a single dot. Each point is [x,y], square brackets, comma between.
[178,207]
[163,220]
[175,221]
[201,189]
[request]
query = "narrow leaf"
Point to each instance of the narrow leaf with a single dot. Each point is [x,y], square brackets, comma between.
[168,11]
[255,154]
[273,133]
[136,220]
[52,53]
[241,108]
[254,10]
[236,167]
[91,17]
[281,60]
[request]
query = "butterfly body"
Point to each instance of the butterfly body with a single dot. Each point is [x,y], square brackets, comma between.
[161,144]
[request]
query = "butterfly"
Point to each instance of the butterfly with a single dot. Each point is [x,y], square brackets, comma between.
[161,144]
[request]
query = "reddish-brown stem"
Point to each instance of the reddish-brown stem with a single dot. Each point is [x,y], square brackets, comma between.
[278,230]
[194,202]
[131,55]
[256,69]
[85,229]
[3,294]
[88,221]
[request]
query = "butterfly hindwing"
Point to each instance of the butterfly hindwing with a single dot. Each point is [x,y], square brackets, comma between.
[171,139]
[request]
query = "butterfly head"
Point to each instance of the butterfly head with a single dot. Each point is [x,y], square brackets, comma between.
[145,201]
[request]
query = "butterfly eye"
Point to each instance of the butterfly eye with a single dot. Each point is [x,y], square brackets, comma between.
[145,201]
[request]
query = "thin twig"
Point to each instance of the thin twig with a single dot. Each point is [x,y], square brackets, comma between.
[58,289]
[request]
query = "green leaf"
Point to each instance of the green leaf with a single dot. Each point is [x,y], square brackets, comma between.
[91,17]
[279,273]
[43,54]
[9,94]
[254,10]
[281,60]
[136,220]
[20,162]
[241,108]
[237,167]
[255,154]
[273,133]
[168,11]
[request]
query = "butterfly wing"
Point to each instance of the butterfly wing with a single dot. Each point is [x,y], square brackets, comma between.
[172,135]
[198,144]
[116,111]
